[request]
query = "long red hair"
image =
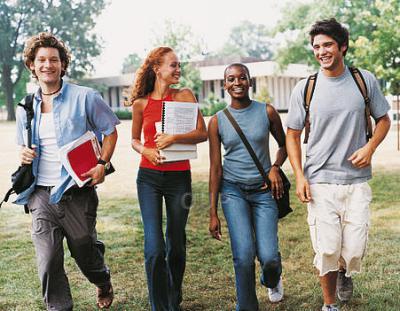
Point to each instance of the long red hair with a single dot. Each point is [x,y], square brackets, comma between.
[145,75]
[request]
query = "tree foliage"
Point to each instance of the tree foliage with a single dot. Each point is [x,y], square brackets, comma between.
[70,20]
[249,40]
[131,63]
[188,48]
[374,34]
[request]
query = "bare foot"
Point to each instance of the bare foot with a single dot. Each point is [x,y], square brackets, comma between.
[105,296]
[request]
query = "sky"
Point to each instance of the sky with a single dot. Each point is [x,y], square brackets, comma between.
[128,26]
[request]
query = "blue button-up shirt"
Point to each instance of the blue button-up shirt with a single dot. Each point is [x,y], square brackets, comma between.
[76,109]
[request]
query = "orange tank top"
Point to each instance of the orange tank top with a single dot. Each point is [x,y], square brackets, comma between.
[151,115]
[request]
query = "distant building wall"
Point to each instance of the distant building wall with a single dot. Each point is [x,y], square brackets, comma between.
[266,75]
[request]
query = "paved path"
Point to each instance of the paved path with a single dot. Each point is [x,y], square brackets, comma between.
[125,160]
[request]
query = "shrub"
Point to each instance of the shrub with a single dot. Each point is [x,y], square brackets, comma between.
[124,114]
[212,105]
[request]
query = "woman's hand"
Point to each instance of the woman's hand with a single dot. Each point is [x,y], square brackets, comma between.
[215,227]
[27,155]
[153,155]
[276,182]
[163,140]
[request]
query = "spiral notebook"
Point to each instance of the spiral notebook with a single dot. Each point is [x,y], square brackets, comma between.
[178,118]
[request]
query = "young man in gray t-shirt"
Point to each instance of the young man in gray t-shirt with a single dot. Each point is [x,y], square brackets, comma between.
[338,160]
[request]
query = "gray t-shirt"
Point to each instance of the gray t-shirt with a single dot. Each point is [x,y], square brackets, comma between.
[338,129]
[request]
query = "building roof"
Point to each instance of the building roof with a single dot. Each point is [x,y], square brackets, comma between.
[121,80]
[257,69]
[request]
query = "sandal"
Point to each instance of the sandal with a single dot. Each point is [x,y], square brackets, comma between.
[105,296]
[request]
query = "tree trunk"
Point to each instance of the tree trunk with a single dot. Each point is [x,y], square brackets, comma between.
[8,89]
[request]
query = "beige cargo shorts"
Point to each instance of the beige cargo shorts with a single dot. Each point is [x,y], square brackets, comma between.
[338,217]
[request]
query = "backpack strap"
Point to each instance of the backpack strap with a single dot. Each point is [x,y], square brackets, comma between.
[28,106]
[308,94]
[6,197]
[362,86]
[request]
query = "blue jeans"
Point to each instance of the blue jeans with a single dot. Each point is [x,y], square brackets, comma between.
[164,259]
[252,218]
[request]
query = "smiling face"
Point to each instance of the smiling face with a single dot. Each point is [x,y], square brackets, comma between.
[237,82]
[328,54]
[170,69]
[47,65]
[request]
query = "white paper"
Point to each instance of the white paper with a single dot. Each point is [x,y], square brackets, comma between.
[64,150]
[179,117]
[178,147]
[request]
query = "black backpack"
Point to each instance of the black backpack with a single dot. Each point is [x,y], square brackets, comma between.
[360,82]
[23,177]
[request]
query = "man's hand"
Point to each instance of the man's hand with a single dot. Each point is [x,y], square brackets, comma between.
[362,157]
[27,155]
[215,228]
[96,174]
[303,190]
[163,140]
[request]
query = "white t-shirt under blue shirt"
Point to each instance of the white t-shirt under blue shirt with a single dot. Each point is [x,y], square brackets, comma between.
[338,126]
[49,170]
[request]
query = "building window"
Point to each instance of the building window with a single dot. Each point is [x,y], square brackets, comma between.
[110,96]
[212,87]
[222,89]
[118,103]
[254,86]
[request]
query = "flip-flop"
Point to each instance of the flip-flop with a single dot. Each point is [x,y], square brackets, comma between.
[105,296]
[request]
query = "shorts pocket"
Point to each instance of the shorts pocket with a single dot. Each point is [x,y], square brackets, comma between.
[366,228]
[367,192]
[312,224]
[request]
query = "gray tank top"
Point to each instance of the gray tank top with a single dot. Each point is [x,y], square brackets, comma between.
[238,166]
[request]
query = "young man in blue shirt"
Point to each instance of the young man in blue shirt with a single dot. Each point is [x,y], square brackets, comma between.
[62,113]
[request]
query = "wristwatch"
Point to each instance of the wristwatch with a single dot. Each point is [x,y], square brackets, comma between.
[102,162]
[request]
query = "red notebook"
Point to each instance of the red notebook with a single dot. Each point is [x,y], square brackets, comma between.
[82,158]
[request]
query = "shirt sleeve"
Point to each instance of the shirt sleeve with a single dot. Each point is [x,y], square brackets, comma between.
[100,115]
[297,114]
[379,105]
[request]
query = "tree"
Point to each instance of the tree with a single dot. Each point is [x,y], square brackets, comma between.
[188,48]
[248,40]
[379,49]
[374,34]
[72,21]
[131,63]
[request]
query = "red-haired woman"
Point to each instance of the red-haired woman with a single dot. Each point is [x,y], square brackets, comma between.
[164,258]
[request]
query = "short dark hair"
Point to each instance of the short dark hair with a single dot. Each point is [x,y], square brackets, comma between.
[46,40]
[332,28]
[237,65]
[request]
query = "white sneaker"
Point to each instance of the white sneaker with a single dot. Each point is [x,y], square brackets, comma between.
[276,294]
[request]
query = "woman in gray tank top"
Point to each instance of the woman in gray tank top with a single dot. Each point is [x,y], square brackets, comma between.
[249,207]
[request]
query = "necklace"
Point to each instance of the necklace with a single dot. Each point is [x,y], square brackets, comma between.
[52,93]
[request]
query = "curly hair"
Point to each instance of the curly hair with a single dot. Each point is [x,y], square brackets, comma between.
[332,28]
[45,40]
[145,75]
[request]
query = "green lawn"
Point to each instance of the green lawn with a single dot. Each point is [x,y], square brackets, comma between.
[209,278]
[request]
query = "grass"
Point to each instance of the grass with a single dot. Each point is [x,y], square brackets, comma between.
[209,278]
